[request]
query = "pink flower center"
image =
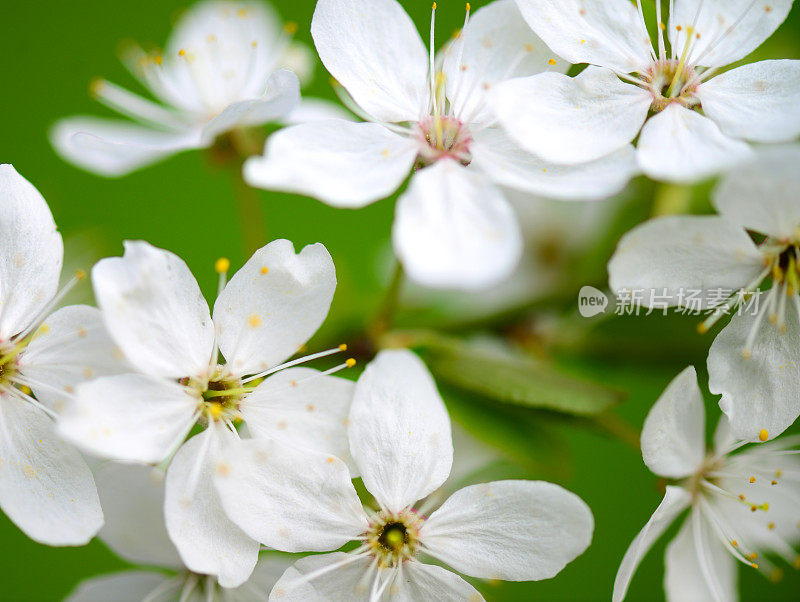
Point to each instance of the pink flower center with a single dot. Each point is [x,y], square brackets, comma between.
[442,137]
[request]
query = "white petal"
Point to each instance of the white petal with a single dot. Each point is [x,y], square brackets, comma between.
[300,407]
[208,542]
[674,434]
[31,253]
[373,49]
[723,438]
[346,582]
[132,497]
[759,102]
[761,392]
[675,501]
[495,45]
[608,33]
[46,488]
[113,148]
[126,586]
[422,581]
[316,109]
[571,120]
[289,499]
[281,96]
[342,163]
[273,305]
[154,310]
[399,430]
[454,229]
[70,348]
[762,195]
[496,154]
[245,46]
[724,31]
[510,530]
[689,566]
[680,145]
[669,257]
[268,571]
[130,417]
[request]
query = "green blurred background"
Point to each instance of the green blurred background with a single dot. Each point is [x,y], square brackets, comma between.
[51,49]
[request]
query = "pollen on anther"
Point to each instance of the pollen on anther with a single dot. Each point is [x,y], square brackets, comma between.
[735,543]
[763,435]
[752,479]
[290,27]
[222,265]
[182,52]
[343,347]
[253,321]
[753,508]
[551,62]
[741,496]
[350,362]
[771,526]
[264,270]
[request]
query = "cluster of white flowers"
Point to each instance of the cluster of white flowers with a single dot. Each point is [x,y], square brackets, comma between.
[222,455]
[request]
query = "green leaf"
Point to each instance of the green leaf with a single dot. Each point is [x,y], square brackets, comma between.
[492,370]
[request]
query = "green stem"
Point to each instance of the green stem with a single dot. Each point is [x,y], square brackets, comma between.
[251,212]
[384,317]
[672,199]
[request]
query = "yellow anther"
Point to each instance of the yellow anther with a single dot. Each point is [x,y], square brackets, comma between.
[752,556]
[735,543]
[43,329]
[551,62]
[264,270]
[661,26]
[290,27]
[25,389]
[350,362]
[528,47]
[182,52]
[343,347]
[80,275]
[753,508]
[158,59]
[434,6]
[765,506]
[752,479]
[96,85]
[702,328]
[254,43]
[741,496]
[746,353]
[254,321]
[763,435]
[779,473]
[754,565]
[771,526]
[773,482]
[222,265]
[469,7]
[215,410]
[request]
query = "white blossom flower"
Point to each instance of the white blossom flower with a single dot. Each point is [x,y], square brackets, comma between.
[741,505]
[221,70]
[161,322]
[755,361]
[691,120]
[399,434]
[133,501]
[453,226]
[46,488]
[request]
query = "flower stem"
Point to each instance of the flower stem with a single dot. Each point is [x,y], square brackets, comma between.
[672,199]
[251,212]
[383,318]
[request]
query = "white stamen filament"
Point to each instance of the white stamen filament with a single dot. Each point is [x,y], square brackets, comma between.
[295,362]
